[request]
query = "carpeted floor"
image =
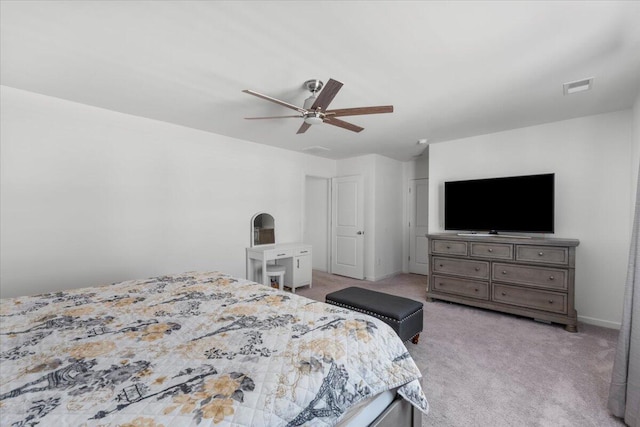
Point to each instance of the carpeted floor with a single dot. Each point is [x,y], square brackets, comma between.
[483,368]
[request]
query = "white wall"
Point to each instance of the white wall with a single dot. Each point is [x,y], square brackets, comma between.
[90,196]
[590,157]
[414,169]
[316,220]
[388,209]
[635,157]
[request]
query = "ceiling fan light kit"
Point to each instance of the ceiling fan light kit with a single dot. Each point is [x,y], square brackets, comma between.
[315,108]
[313,118]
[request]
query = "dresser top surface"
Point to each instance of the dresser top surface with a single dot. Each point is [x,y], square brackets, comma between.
[520,240]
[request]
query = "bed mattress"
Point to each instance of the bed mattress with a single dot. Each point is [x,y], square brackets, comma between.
[193,349]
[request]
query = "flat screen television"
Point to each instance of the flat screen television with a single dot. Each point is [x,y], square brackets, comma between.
[513,204]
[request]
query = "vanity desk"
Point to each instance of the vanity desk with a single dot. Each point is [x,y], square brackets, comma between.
[295,257]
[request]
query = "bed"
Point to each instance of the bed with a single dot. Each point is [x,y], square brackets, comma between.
[201,349]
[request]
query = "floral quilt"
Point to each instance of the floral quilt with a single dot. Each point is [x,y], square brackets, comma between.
[193,349]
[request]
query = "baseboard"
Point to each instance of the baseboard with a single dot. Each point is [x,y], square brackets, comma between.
[378,278]
[599,322]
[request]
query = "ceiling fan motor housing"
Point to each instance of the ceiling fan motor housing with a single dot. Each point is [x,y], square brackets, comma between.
[309,102]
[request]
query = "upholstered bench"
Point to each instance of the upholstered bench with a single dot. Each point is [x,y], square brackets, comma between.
[404,315]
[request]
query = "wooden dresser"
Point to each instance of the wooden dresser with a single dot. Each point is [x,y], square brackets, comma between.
[531,277]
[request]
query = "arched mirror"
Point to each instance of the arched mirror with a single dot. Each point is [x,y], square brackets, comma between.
[263,229]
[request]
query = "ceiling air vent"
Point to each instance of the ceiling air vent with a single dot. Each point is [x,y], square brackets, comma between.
[577,86]
[316,149]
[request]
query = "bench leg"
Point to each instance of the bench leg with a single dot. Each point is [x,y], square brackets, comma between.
[415,339]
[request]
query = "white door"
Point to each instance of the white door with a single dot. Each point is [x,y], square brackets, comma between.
[418,226]
[347,226]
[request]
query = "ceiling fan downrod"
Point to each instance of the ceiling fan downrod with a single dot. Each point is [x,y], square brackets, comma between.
[314,87]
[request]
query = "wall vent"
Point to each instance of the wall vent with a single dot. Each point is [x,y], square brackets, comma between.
[577,86]
[316,149]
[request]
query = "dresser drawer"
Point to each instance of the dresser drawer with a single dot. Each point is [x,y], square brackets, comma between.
[278,253]
[542,254]
[492,250]
[461,267]
[449,247]
[467,288]
[553,278]
[530,298]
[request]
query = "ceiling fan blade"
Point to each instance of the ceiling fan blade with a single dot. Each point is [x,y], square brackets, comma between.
[277,101]
[327,94]
[273,117]
[304,127]
[360,111]
[342,124]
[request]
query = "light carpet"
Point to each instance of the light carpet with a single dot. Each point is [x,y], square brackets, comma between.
[483,368]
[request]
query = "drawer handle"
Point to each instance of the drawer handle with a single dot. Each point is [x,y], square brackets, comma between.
[303,252]
[503,293]
[280,254]
[448,247]
[477,268]
[540,253]
[476,289]
[441,265]
[490,250]
[551,277]
[504,271]
[550,301]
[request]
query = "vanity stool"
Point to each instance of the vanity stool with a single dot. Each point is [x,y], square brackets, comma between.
[274,270]
[404,315]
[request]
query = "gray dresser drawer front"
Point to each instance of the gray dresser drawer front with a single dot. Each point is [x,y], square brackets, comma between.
[552,278]
[492,250]
[467,288]
[542,254]
[449,247]
[461,267]
[530,298]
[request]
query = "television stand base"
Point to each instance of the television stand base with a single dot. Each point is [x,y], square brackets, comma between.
[492,235]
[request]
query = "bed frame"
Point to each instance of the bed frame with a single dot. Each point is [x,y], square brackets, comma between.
[399,413]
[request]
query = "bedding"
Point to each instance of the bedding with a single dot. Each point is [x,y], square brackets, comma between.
[198,348]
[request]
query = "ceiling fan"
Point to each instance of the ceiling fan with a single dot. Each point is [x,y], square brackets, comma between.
[315,111]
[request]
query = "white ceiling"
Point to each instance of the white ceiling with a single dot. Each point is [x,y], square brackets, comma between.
[451,69]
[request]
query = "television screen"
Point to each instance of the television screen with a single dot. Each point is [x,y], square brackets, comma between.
[518,204]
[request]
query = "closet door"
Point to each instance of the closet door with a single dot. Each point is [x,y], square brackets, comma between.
[418,226]
[347,254]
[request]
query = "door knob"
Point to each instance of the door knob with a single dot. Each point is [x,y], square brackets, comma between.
[359,233]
